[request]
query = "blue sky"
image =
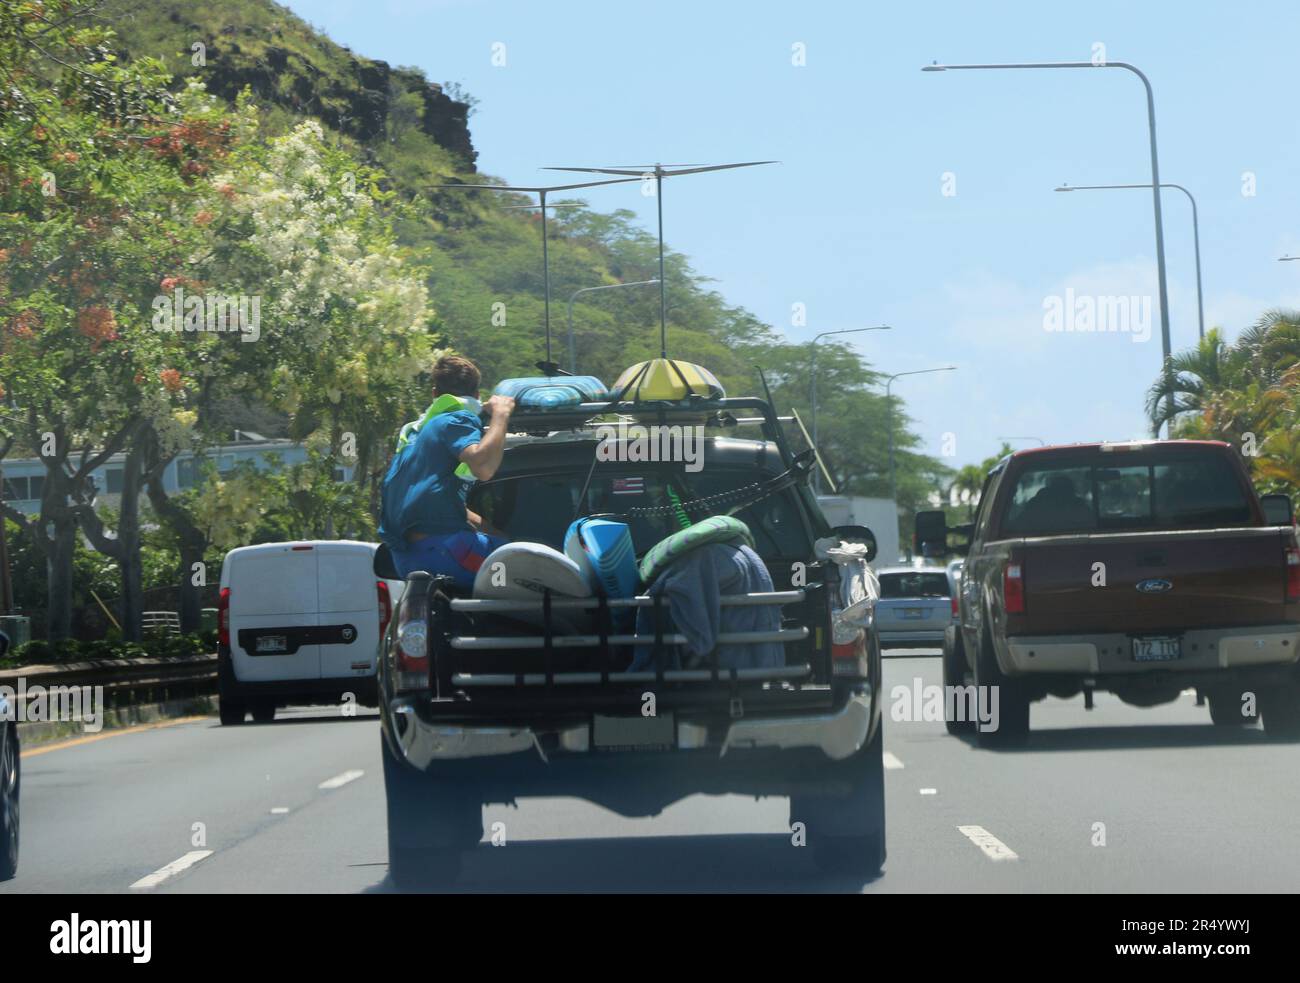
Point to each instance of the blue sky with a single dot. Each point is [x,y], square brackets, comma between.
[854,223]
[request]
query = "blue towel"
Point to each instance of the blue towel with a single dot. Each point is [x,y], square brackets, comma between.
[694,586]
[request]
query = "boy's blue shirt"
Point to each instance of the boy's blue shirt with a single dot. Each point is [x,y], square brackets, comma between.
[421,492]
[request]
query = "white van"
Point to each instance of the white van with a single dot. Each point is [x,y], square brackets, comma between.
[299,623]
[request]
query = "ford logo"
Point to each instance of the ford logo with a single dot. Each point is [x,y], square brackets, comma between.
[1154,586]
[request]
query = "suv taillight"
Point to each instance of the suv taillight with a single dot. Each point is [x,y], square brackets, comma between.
[385,607]
[1013,586]
[223,617]
[1292,573]
[955,609]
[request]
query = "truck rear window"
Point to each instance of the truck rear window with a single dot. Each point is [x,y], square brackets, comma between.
[1194,492]
[539,507]
[894,585]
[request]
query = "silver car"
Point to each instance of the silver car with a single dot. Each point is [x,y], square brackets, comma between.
[915,606]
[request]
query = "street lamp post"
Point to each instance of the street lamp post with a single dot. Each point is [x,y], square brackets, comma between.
[1007,440]
[573,359]
[817,482]
[1196,233]
[889,405]
[1287,259]
[1155,172]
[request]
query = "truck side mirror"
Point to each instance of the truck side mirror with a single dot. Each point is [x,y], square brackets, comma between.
[1277,509]
[858,534]
[384,567]
[930,537]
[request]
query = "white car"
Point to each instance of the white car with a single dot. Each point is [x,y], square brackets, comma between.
[299,623]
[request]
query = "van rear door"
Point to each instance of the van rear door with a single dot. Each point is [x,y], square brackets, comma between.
[273,612]
[348,602]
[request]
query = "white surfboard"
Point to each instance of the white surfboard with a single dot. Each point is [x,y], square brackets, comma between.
[522,571]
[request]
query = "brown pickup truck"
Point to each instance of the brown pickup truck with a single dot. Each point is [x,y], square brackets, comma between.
[1142,568]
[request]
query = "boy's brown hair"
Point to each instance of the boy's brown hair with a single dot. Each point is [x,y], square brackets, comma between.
[456,375]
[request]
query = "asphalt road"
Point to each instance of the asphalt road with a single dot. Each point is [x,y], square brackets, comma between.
[298,806]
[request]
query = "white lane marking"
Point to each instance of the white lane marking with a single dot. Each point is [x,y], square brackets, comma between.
[929,791]
[280,811]
[891,761]
[340,780]
[993,848]
[171,870]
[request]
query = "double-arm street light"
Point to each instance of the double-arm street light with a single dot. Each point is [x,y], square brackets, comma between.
[1196,233]
[889,404]
[573,359]
[812,386]
[1155,171]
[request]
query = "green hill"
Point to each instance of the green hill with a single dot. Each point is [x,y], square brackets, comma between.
[484,260]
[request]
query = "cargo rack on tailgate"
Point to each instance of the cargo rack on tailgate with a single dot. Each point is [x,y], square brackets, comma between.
[449,648]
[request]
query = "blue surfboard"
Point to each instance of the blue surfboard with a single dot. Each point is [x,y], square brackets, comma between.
[552,392]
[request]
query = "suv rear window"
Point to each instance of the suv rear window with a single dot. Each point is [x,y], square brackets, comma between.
[539,507]
[894,585]
[1196,491]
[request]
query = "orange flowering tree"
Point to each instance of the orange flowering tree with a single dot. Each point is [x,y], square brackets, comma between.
[104,189]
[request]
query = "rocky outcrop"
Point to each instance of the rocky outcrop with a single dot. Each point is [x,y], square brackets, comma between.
[351,94]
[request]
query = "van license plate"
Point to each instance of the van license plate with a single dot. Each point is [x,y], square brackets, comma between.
[1157,649]
[914,614]
[620,733]
[270,644]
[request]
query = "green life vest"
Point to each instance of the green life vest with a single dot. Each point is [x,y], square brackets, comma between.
[446,403]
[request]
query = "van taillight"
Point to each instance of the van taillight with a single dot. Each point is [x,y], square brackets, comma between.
[385,607]
[954,606]
[1013,587]
[223,617]
[1292,573]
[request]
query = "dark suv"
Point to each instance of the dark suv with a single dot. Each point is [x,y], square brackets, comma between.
[480,704]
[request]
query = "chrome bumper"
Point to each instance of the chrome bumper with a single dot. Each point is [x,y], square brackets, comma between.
[1202,649]
[838,735]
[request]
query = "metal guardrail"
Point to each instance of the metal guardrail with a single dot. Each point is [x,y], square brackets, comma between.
[126,682]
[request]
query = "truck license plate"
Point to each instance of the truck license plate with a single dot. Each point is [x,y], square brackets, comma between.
[621,733]
[270,644]
[1157,649]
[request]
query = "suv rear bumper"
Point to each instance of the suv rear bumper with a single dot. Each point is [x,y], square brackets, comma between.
[1111,653]
[422,742]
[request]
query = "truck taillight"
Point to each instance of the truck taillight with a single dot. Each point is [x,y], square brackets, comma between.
[1292,573]
[411,642]
[385,607]
[1013,587]
[223,617]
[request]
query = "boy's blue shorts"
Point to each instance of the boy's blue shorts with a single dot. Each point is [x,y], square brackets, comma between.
[457,555]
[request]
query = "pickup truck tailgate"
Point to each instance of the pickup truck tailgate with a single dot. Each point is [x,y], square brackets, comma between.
[1153,581]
